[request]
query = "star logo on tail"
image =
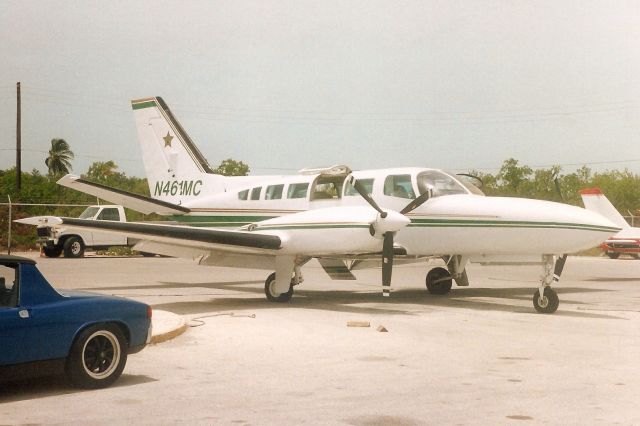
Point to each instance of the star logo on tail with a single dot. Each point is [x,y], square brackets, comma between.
[167,140]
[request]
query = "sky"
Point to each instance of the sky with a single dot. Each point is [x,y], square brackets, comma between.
[285,85]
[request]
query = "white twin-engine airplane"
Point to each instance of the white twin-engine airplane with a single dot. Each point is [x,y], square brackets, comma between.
[346,219]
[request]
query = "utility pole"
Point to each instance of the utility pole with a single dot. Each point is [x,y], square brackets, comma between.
[18,142]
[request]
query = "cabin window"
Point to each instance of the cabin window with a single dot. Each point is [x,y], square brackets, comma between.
[327,187]
[273,192]
[349,190]
[255,193]
[298,190]
[399,186]
[243,195]
[109,214]
[440,183]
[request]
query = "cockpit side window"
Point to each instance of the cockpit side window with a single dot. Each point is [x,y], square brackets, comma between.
[350,191]
[243,195]
[399,186]
[440,183]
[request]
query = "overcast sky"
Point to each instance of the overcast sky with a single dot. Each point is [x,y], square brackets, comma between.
[283,85]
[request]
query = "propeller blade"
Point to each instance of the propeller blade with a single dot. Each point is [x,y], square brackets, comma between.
[416,202]
[363,193]
[387,263]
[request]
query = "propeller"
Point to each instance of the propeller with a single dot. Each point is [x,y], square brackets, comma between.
[387,225]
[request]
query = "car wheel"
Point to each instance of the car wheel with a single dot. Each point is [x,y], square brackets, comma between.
[53,251]
[73,247]
[97,357]
[613,254]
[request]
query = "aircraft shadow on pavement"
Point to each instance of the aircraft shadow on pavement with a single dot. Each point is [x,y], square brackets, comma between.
[42,387]
[401,302]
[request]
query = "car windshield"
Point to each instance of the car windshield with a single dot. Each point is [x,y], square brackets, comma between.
[88,213]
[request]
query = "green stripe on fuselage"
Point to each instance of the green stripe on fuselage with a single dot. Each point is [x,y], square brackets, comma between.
[448,223]
[238,221]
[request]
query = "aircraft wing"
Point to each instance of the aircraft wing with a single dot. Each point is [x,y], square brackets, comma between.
[203,238]
[130,200]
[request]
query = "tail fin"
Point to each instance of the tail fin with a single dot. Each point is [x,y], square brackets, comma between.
[176,170]
[595,201]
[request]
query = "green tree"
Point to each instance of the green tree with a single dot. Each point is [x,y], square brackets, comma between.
[513,179]
[231,167]
[103,171]
[59,160]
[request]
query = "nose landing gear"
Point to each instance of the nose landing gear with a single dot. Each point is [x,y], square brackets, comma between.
[545,299]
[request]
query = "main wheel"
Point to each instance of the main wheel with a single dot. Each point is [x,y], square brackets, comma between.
[97,357]
[53,251]
[613,254]
[439,281]
[73,247]
[549,302]
[269,290]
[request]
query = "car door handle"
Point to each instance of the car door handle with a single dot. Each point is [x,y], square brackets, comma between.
[23,313]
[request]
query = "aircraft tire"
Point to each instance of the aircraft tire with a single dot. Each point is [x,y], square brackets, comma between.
[439,287]
[550,301]
[268,290]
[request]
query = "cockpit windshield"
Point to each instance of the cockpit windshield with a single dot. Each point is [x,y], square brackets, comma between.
[443,184]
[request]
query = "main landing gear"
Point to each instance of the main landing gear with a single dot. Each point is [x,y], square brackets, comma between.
[545,299]
[270,287]
[439,280]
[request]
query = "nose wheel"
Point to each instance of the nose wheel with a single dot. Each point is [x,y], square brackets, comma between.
[545,299]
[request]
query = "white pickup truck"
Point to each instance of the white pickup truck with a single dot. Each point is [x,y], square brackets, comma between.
[56,240]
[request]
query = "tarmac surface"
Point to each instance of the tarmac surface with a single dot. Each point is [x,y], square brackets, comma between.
[480,355]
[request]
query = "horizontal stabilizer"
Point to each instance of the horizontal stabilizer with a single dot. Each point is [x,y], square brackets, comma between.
[140,203]
[596,201]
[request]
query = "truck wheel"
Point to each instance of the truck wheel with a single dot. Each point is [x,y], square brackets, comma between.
[73,247]
[97,357]
[53,251]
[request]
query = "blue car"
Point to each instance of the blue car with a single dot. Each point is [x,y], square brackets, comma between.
[84,335]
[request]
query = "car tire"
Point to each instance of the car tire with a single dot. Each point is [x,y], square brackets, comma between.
[53,251]
[73,247]
[613,254]
[97,357]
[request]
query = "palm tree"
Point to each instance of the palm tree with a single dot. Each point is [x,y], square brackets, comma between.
[59,158]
